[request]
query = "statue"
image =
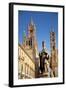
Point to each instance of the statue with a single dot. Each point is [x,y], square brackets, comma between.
[44,57]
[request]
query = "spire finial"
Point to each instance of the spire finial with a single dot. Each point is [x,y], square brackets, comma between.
[31,22]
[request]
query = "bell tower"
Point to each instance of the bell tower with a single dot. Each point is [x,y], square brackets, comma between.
[53,60]
[31,33]
[33,44]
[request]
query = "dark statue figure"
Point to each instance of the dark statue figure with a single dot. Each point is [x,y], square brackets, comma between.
[43,55]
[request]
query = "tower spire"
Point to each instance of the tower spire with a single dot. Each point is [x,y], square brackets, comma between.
[31,21]
[51,27]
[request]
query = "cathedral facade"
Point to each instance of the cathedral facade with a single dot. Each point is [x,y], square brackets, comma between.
[26,65]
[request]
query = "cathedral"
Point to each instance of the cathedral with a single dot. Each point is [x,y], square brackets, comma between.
[31,62]
[30,46]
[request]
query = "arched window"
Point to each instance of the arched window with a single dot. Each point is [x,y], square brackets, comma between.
[30,42]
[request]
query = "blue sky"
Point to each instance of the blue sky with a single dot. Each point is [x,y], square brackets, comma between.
[43,22]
